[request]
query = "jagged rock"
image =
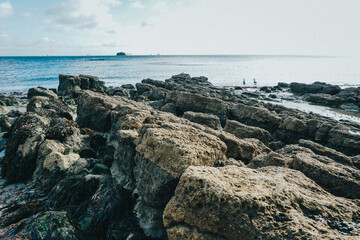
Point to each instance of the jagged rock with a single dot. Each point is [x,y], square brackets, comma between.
[293,124]
[271,159]
[128,86]
[325,151]
[255,115]
[322,98]
[241,203]
[39,91]
[26,135]
[244,131]
[46,225]
[50,107]
[345,138]
[209,120]
[94,111]
[242,149]
[8,100]
[283,85]
[317,87]
[3,110]
[5,124]
[338,179]
[56,161]
[197,103]
[156,83]
[71,85]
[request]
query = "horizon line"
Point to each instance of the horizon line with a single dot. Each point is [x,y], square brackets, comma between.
[159,55]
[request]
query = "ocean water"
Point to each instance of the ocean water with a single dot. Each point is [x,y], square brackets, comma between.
[21,73]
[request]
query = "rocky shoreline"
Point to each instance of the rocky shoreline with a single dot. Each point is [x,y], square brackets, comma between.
[177,159]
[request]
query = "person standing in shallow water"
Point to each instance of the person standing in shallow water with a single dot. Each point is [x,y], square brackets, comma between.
[244,81]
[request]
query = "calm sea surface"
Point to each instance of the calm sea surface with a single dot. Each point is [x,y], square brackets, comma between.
[21,73]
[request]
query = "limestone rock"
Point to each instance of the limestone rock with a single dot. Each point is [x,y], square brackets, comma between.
[56,161]
[294,124]
[244,131]
[209,120]
[317,87]
[39,91]
[241,203]
[325,151]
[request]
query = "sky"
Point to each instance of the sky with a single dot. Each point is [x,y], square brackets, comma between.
[171,27]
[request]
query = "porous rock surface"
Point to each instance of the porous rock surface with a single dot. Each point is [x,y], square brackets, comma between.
[174,159]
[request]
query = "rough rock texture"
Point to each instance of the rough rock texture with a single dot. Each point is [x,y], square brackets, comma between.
[243,131]
[39,91]
[209,120]
[317,87]
[71,85]
[267,203]
[103,163]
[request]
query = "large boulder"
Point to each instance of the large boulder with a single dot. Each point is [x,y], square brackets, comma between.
[94,111]
[71,85]
[267,203]
[26,135]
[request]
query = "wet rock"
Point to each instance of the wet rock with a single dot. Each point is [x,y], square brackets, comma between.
[39,91]
[244,131]
[94,111]
[8,100]
[345,139]
[322,98]
[46,225]
[5,124]
[317,87]
[128,86]
[56,161]
[21,151]
[283,85]
[3,110]
[256,203]
[71,85]
[209,120]
[50,107]
[156,83]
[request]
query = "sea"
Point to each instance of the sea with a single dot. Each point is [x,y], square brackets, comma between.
[22,73]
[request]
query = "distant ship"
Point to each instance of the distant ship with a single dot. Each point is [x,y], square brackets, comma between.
[121,54]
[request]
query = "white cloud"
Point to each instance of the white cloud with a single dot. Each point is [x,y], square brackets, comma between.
[160,6]
[84,15]
[6,10]
[137,4]
[27,14]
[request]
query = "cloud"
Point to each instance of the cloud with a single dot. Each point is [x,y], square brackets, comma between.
[27,14]
[160,6]
[83,15]
[6,10]
[138,4]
